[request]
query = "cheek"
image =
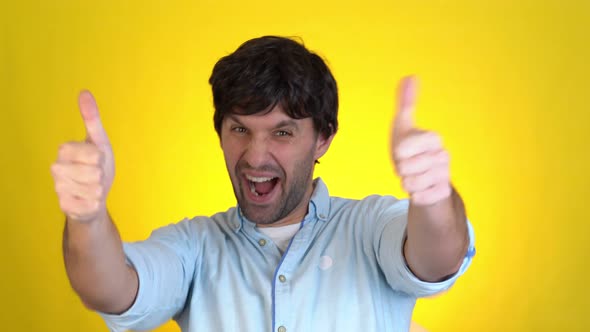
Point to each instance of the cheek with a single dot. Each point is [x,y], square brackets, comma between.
[230,154]
[293,159]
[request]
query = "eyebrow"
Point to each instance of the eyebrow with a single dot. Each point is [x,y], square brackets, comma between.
[234,119]
[287,123]
[281,124]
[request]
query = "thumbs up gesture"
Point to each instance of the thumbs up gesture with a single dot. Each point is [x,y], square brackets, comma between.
[83,172]
[418,155]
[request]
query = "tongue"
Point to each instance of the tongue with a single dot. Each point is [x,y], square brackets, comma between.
[263,188]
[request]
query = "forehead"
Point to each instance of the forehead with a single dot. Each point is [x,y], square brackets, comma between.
[276,117]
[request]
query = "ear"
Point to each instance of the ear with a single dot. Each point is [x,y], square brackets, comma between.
[322,144]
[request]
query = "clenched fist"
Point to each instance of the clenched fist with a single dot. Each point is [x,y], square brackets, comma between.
[418,155]
[84,171]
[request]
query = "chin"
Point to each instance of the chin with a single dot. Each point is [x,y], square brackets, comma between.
[259,217]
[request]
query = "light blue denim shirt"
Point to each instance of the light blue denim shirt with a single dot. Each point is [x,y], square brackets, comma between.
[343,271]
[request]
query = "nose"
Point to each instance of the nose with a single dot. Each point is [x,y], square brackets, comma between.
[257,153]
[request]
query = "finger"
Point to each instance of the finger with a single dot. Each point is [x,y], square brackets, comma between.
[422,162]
[434,176]
[417,143]
[80,152]
[403,122]
[68,187]
[79,173]
[432,195]
[95,132]
[78,209]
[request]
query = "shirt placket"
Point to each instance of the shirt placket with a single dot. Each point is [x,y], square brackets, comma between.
[284,314]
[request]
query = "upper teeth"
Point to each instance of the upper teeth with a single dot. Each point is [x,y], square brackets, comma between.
[258,179]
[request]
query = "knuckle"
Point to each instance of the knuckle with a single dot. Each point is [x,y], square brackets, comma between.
[64,205]
[90,174]
[99,191]
[401,169]
[59,187]
[442,170]
[89,154]
[62,150]
[447,158]
[96,156]
[92,206]
[419,183]
[407,184]
[417,198]
[425,161]
[436,138]
[398,152]
[54,169]
[63,147]
[84,152]
[98,174]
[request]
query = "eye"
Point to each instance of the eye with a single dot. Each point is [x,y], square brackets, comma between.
[239,130]
[283,133]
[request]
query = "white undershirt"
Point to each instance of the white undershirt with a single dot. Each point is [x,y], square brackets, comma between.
[282,235]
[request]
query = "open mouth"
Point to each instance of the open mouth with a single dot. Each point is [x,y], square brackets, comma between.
[261,186]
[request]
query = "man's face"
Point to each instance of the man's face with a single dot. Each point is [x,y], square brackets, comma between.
[270,159]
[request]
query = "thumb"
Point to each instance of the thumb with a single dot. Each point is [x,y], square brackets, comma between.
[403,122]
[95,132]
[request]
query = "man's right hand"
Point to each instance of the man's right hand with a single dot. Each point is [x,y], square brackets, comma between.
[94,256]
[84,171]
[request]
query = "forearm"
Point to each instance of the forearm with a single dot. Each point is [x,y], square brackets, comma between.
[95,264]
[437,238]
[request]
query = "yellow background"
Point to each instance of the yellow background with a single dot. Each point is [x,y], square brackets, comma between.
[504,82]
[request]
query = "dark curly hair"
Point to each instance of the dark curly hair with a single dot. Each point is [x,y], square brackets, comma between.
[269,70]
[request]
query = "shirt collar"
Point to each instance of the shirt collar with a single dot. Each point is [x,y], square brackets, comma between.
[319,206]
[320,201]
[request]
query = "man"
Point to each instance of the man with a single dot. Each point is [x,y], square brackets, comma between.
[289,257]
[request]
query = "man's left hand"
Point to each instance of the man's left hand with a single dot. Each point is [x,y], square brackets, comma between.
[418,155]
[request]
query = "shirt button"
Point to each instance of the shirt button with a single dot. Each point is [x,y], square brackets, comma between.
[282,278]
[282,329]
[322,216]
[262,242]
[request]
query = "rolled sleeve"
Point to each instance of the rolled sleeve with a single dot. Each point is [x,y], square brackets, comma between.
[165,264]
[389,247]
